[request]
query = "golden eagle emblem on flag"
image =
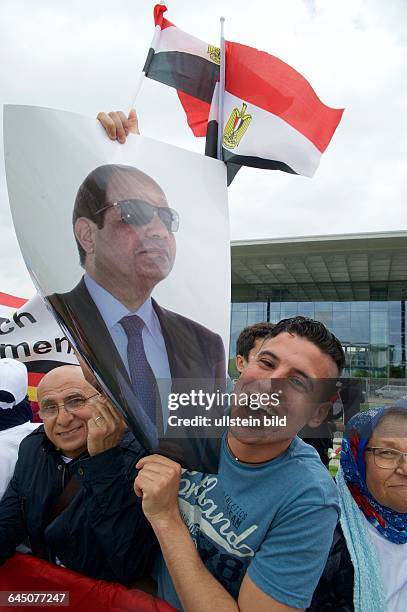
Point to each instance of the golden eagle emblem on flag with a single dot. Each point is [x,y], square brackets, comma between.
[236,126]
[214,54]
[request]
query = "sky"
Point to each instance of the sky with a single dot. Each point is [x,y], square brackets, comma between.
[86,56]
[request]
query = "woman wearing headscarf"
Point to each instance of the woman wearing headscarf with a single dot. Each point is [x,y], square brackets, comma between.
[366,569]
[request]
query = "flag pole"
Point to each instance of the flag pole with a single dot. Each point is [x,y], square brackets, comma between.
[138,87]
[150,56]
[221,88]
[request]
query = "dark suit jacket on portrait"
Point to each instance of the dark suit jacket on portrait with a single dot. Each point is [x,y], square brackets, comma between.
[196,358]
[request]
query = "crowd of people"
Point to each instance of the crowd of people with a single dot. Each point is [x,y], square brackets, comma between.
[269,530]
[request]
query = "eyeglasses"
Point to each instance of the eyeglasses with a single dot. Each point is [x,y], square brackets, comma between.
[71,405]
[137,212]
[386,458]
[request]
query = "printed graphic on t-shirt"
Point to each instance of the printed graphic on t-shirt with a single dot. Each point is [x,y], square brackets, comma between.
[219,535]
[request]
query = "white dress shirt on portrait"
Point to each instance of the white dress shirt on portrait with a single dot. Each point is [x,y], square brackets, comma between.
[112,310]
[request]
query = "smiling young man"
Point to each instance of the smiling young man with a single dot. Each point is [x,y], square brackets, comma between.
[248,345]
[256,535]
[71,492]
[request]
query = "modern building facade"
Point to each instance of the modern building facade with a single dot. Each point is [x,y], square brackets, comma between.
[355,284]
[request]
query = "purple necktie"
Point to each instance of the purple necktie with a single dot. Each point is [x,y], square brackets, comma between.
[141,374]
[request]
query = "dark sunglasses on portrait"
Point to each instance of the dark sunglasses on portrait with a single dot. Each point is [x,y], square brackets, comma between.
[137,212]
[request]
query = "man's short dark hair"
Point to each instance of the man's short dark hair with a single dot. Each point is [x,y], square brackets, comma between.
[315,332]
[91,195]
[249,335]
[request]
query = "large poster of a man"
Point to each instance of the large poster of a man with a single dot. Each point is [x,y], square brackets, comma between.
[129,246]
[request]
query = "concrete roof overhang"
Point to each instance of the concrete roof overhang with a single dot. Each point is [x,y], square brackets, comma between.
[337,267]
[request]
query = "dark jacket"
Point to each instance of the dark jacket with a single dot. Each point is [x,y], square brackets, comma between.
[19,414]
[102,532]
[335,588]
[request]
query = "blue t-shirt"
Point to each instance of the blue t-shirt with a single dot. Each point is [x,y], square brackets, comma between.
[274,520]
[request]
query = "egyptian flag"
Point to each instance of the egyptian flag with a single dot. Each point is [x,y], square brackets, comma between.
[186,63]
[272,117]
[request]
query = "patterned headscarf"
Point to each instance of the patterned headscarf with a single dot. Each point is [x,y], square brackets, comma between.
[391,524]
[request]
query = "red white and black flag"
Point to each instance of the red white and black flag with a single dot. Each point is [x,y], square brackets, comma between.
[186,63]
[272,117]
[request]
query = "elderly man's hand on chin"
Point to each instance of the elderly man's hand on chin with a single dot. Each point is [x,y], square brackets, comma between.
[118,126]
[157,484]
[105,428]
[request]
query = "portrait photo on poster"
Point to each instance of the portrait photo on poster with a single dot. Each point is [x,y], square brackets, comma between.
[129,247]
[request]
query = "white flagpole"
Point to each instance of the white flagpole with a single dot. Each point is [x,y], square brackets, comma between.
[153,46]
[221,88]
[137,91]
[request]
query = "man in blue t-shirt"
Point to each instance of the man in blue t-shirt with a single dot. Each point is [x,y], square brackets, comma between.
[256,535]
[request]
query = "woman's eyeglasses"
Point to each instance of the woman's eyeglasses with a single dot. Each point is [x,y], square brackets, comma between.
[386,458]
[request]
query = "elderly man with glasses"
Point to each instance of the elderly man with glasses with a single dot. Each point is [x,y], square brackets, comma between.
[71,493]
[124,229]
